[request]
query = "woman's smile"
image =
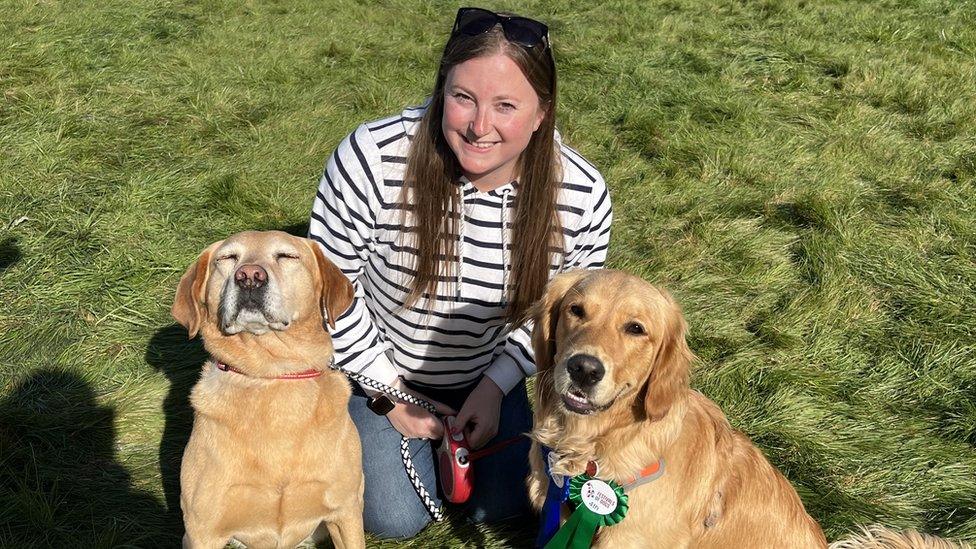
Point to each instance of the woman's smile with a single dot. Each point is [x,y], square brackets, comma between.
[478,146]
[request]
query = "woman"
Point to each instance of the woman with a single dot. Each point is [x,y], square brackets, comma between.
[449,219]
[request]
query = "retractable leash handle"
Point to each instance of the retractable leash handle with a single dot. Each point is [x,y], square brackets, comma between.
[454,463]
[454,455]
[455,460]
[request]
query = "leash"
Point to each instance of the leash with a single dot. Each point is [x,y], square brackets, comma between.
[418,484]
[478,454]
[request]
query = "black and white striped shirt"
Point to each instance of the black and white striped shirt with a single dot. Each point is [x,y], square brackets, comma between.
[453,340]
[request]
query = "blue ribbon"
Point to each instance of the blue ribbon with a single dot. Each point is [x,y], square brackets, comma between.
[555,496]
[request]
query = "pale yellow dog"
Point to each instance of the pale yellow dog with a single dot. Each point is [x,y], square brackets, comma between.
[273,453]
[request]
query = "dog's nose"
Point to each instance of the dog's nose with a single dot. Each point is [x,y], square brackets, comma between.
[585,370]
[250,277]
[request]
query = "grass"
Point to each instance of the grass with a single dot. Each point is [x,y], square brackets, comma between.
[799,174]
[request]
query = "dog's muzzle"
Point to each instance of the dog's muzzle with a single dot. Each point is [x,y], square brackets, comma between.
[252,284]
[585,372]
[251,304]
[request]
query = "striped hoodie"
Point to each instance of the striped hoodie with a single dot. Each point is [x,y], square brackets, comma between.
[454,339]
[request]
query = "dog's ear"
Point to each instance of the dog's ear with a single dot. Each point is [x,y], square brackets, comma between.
[337,292]
[189,307]
[672,366]
[544,314]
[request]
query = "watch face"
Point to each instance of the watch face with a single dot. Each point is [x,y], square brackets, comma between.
[380,404]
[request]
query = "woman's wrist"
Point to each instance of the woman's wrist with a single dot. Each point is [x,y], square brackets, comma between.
[490,386]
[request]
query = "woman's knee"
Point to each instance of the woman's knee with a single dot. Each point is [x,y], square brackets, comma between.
[400,523]
[392,508]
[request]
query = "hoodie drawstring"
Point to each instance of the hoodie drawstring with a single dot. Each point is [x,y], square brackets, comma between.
[504,216]
[460,248]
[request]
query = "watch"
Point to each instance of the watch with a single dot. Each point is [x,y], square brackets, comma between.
[380,404]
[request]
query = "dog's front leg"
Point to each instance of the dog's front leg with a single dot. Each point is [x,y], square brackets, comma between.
[347,530]
[537,482]
[197,541]
[200,527]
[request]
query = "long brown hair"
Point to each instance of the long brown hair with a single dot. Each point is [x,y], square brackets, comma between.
[432,171]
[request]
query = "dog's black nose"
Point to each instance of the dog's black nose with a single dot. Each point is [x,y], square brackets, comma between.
[585,370]
[250,277]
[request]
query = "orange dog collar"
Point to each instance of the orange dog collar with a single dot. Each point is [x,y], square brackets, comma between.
[650,473]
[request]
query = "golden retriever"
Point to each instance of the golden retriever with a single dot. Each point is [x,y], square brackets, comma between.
[881,537]
[612,388]
[273,452]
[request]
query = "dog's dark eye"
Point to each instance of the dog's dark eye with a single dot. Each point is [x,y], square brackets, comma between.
[577,310]
[634,328]
[228,256]
[285,255]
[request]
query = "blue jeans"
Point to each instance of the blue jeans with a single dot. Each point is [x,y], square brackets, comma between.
[392,507]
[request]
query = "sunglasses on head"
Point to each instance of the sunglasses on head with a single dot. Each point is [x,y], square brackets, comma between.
[523,31]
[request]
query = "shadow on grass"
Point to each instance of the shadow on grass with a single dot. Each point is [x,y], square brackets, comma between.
[180,359]
[517,533]
[9,253]
[298,229]
[59,476]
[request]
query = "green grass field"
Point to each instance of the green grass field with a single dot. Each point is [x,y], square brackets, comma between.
[800,174]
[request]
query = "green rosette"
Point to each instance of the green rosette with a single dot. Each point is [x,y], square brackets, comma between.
[578,531]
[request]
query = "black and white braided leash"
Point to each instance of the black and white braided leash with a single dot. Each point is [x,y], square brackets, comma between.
[418,484]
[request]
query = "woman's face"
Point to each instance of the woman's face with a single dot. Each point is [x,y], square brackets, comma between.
[490,113]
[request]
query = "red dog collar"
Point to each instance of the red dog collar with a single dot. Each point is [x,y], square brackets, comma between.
[307,374]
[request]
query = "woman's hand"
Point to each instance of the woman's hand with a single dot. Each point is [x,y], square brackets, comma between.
[415,422]
[479,414]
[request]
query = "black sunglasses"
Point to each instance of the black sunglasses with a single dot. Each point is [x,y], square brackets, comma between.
[523,31]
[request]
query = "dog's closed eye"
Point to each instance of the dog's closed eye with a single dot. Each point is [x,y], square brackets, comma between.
[227,256]
[285,255]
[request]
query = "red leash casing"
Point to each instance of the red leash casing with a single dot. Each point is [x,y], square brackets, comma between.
[454,462]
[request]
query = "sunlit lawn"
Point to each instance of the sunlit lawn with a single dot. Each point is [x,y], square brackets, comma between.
[799,174]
